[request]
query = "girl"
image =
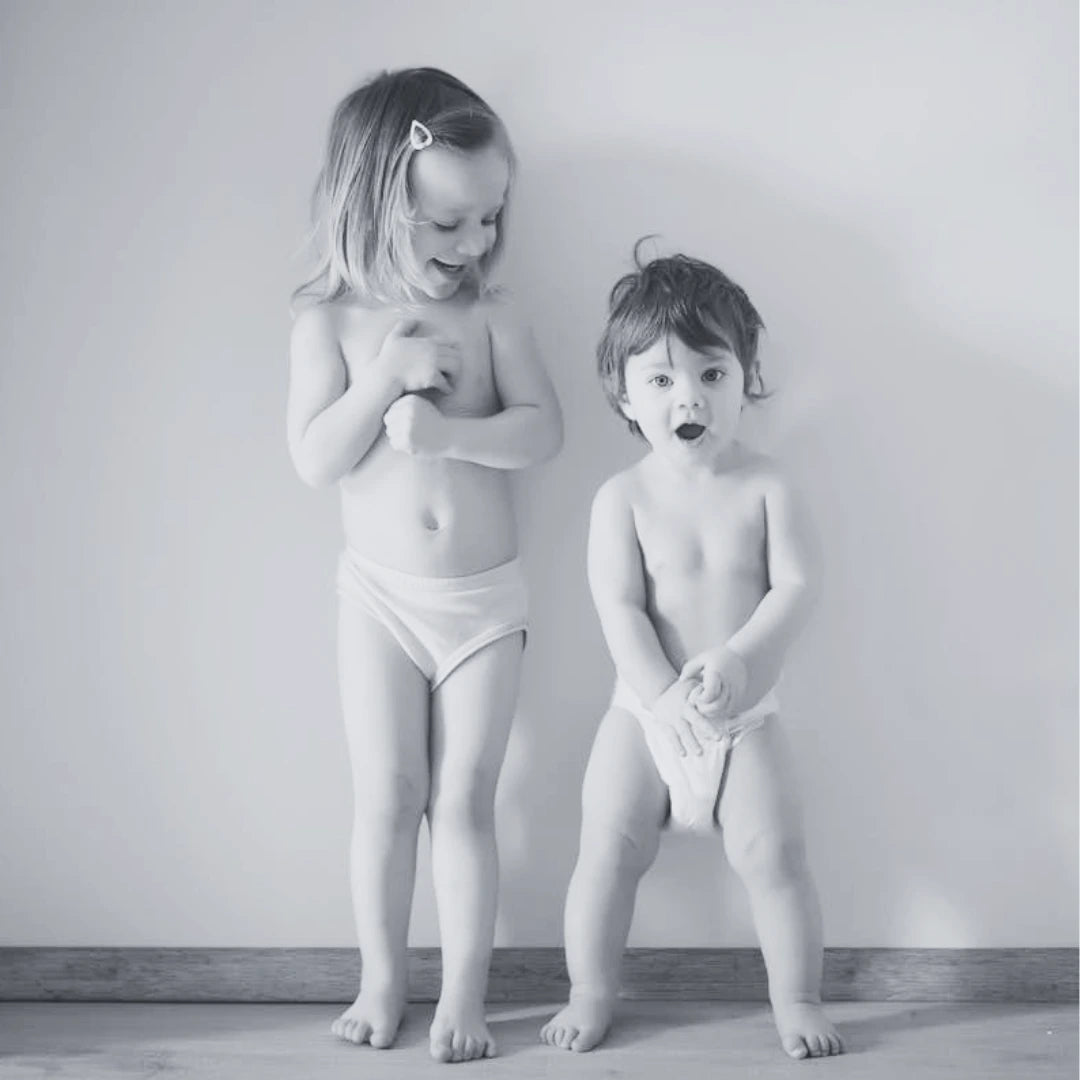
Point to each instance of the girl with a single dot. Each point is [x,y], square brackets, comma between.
[414,387]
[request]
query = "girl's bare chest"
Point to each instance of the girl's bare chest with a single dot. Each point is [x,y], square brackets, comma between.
[470,371]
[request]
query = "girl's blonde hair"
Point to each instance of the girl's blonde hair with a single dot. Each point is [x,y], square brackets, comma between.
[362,206]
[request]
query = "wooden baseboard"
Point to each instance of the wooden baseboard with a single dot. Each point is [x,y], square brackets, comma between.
[529,975]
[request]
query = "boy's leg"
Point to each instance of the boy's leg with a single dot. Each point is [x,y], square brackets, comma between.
[472,711]
[763,837]
[624,803]
[385,700]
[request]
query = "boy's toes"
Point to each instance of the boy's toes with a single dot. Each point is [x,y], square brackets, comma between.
[795,1047]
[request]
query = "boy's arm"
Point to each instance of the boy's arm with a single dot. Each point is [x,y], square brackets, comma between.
[794,568]
[331,424]
[528,429]
[617,582]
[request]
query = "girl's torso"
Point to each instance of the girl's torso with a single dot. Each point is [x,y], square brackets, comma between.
[435,517]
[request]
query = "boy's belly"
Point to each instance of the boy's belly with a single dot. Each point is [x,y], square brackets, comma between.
[433,518]
[701,613]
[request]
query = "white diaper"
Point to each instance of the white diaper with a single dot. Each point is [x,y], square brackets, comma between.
[438,622]
[693,781]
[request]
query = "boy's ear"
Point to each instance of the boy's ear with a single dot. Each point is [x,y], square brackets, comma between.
[626,410]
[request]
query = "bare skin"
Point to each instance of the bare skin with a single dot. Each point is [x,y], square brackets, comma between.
[418,413]
[702,567]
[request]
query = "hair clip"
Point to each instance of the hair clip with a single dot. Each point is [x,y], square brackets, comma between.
[419,135]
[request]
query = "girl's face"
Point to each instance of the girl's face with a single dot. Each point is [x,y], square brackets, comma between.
[456,201]
[687,403]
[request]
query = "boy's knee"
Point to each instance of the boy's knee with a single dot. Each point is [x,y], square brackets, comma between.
[626,847]
[768,858]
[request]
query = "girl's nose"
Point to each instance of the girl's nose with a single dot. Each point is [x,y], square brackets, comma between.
[473,242]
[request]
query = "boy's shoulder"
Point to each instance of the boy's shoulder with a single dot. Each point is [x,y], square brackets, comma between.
[757,467]
[621,489]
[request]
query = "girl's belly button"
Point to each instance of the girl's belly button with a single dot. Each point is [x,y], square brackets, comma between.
[430,521]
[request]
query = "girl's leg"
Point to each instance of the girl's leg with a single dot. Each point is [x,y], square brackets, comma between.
[385,700]
[624,803]
[470,724]
[763,837]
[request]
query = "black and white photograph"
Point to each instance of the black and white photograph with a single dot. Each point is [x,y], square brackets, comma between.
[540,539]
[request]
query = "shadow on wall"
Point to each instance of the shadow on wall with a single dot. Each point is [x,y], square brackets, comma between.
[931,700]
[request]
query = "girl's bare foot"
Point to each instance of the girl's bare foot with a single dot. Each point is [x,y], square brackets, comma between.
[459,1032]
[373,1018]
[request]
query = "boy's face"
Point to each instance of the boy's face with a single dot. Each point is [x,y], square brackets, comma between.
[457,198]
[686,403]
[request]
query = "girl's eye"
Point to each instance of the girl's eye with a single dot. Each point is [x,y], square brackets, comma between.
[663,381]
[712,374]
[490,223]
[444,228]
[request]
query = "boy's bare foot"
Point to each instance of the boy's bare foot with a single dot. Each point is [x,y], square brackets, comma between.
[372,1018]
[805,1031]
[459,1033]
[581,1025]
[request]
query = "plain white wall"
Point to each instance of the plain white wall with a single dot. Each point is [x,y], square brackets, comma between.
[893,182]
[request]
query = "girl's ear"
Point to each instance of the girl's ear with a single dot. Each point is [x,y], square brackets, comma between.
[626,409]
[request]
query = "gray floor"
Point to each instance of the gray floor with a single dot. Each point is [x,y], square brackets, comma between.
[679,1040]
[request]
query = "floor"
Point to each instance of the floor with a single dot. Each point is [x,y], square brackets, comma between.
[682,1040]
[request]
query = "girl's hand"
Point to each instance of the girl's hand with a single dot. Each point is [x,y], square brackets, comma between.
[415,426]
[723,677]
[420,363]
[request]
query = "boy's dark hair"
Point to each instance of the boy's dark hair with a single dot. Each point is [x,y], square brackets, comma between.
[686,297]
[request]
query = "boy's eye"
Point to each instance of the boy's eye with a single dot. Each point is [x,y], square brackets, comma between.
[662,381]
[712,374]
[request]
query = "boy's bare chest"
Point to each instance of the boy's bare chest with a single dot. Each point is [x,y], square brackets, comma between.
[714,538]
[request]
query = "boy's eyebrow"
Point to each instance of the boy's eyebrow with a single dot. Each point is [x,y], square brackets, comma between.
[720,351]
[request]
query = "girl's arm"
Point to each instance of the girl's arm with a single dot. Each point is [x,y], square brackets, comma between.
[528,430]
[331,425]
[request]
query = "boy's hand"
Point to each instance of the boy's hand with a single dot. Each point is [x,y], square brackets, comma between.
[669,711]
[420,363]
[415,426]
[723,678]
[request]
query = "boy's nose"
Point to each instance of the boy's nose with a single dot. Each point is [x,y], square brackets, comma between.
[690,396]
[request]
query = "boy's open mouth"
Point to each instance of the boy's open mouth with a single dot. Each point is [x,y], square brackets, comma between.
[689,432]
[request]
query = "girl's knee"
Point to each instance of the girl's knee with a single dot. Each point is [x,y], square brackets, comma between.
[465,806]
[768,859]
[394,802]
